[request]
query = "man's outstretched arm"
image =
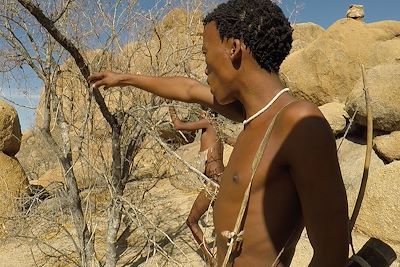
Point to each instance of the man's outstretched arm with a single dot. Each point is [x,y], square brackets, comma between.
[314,167]
[175,88]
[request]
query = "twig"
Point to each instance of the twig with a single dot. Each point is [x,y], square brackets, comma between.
[347,130]
[136,210]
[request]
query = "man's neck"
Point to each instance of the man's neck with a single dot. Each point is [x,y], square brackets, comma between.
[257,88]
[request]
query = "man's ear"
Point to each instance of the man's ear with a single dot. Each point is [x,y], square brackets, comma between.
[236,53]
[236,49]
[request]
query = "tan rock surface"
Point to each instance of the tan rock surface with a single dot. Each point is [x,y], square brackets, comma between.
[35,155]
[304,34]
[180,176]
[13,188]
[54,179]
[10,129]
[383,83]
[355,12]
[184,179]
[336,116]
[304,251]
[327,69]
[152,160]
[162,212]
[380,212]
[351,156]
[388,146]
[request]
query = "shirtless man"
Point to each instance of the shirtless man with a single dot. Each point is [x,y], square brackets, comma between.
[298,182]
[211,155]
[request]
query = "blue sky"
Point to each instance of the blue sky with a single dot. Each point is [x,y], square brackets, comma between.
[323,13]
[326,12]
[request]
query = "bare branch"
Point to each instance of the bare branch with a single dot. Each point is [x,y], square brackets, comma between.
[70,47]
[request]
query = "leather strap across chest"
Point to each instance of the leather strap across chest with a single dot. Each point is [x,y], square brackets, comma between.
[237,234]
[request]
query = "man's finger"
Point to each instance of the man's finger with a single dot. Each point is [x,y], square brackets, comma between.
[95,77]
[91,78]
[97,84]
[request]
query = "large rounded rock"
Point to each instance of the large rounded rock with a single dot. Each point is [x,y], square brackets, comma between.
[383,83]
[35,155]
[86,176]
[10,130]
[327,69]
[13,187]
[336,116]
[51,181]
[388,146]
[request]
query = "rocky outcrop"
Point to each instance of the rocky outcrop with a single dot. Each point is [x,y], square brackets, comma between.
[328,68]
[10,130]
[383,83]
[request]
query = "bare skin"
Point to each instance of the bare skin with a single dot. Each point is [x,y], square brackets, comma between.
[210,142]
[298,183]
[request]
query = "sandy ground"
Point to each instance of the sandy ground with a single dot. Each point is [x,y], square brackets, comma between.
[168,214]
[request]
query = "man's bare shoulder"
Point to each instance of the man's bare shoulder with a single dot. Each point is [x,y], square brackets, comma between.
[304,126]
[300,110]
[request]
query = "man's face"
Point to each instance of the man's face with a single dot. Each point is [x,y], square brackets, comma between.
[218,64]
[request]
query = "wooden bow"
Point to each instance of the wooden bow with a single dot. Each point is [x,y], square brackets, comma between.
[367,161]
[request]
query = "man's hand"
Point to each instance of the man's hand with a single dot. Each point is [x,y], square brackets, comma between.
[106,79]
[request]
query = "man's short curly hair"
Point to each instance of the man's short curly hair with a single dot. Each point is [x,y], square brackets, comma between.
[260,24]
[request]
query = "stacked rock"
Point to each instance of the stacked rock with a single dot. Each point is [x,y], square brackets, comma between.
[13,181]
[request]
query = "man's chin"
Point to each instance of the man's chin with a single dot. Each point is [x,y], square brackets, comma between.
[217,100]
